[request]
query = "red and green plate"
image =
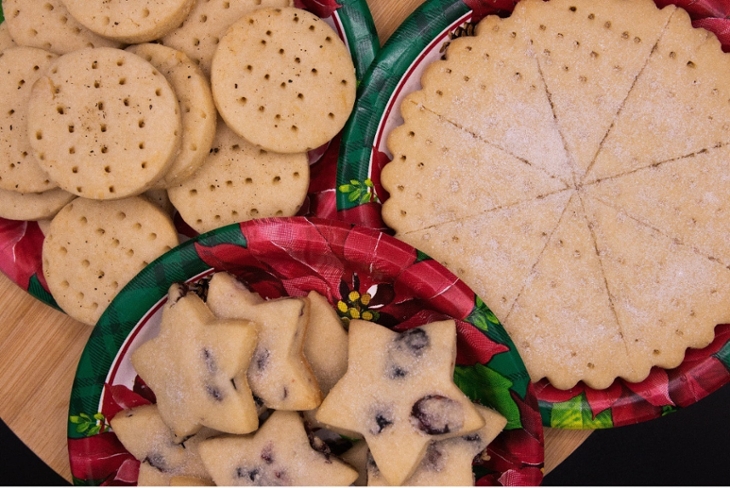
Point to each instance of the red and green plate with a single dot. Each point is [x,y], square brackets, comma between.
[363,273]
[395,73]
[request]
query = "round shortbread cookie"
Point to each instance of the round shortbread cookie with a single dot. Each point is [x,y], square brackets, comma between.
[283,80]
[93,248]
[33,206]
[46,24]
[240,182]
[199,115]
[130,21]
[104,123]
[6,40]
[20,67]
[199,34]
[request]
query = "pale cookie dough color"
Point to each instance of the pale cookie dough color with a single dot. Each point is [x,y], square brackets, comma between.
[198,36]
[196,367]
[239,182]
[199,115]
[145,435]
[399,393]
[625,265]
[93,248]
[130,21]
[48,25]
[20,67]
[279,373]
[33,206]
[6,39]
[283,80]
[279,453]
[104,123]
[449,462]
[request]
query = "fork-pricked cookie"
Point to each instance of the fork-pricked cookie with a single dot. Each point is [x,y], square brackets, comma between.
[195,366]
[93,248]
[6,40]
[279,374]
[399,393]
[283,79]
[47,24]
[130,21]
[104,123]
[199,34]
[198,111]
[279,453]
[239,182]
[20,67]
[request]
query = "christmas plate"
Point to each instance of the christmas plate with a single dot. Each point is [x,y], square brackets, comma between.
[363,273]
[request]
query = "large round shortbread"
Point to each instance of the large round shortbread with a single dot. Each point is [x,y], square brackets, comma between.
[240,182]
[571,164]
[46,24]
[104,123]
[93,248]
[199,115]
[283,80]
[20,67]
[130,21]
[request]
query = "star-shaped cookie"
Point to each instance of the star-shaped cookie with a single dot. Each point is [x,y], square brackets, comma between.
[449,462]
[399,393]
[279,453]
[279,373]
[195,367]
[145,435]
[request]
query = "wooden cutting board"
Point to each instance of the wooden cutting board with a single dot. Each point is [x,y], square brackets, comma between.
[40,346]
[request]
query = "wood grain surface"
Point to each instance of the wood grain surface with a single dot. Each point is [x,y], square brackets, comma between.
[40,346]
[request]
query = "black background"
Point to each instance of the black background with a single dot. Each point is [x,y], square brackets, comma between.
[690,447]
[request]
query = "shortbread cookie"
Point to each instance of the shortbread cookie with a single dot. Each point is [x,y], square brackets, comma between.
[491,86]
[130,21]
[514,237]
[279,373]
[33,206]
[677,107]
[279,453]
[227,289]
[436,167]
[196,367]
[199,34]
[104,123]
[6,39]
[667,297]
[283,80]
[325,344]
[93,249]
[239,182]
[399,393]
[683,197]
[638,106]
[20,67]
[199,115]
[48,25]
[449,462]
[145,435]
[590,54]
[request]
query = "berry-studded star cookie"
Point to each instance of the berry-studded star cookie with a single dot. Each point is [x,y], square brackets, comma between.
[399,393]
[196,367]
[279,453]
